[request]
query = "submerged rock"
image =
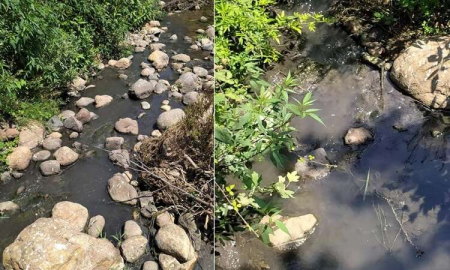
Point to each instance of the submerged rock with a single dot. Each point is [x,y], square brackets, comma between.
[170,118]
[52,243]
[357,136]
[299,228]
[19,159]
[50,167]
[313,169]
[121,191]
[422,73]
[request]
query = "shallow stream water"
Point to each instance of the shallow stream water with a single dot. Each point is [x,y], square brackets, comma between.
[86,180]
[409,181]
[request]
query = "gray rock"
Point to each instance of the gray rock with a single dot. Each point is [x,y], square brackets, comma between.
[164,219]
[66,114]
[170,118]
[41,155]
[120,157]
[201,72]
[173,37]
[55,123]
[96,225]
[145,105]
[123,76]
[141,137]
[73,213]
[184,58]
[141,89]
[147,71]
[32,135]
[316,169]
[5,177]
[207,44]
[114,143]
[203,19]
[188,82]
[150,265]
[102,100]
[123,63]
[190,98]
[73,124]
[156,133]
[157,46]
[121,191]
[74,135]
[51,144]
[210,32]
[161,86]
[50,167]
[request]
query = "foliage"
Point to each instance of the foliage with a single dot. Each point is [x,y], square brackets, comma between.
[252,117]
[44,44]
[6,148]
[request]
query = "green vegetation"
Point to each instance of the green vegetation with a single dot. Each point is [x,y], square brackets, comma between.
[44,44]
[252,117]
[6,148]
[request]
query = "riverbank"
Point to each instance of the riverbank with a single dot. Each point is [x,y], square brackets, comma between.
[96,144]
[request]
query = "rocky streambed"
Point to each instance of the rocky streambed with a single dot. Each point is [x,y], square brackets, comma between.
[71,197]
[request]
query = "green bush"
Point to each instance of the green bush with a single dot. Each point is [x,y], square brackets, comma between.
[252,117]
[44,44]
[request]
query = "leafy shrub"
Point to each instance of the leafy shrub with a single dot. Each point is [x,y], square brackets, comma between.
[252,117]
[44,44]
[6,148]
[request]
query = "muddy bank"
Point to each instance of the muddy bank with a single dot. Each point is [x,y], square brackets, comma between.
[85,181]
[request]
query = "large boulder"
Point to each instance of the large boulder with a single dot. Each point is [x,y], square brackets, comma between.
[121,191]
[32,135]
[20,158]
[65,156]
[188,82]
[159,59]
[423,72]
[298,227]
[50,167]
[53,244]
[73,213]
[170,118]
[127,125]
[173,240]
[141,89]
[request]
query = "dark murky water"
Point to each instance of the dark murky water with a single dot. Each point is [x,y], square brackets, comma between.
[409,168]
[85,182]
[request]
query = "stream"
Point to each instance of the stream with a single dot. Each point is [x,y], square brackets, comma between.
[85,182]
[401,221]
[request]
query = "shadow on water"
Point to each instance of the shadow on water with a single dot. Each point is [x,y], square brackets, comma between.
[85,181]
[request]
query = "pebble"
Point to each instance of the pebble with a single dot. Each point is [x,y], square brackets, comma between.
[74,135]
[166,108]
[145,105]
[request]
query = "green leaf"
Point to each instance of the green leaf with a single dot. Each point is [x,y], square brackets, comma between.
[223,135]
[317,118]
[282,227]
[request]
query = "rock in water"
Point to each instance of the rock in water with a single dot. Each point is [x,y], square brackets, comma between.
[65,156]
[114,143]
[20,158]
[299,228]
[42,155]
[51,144]
[52,244]
[123,63]
[150,265]
[127,125]
[188,82]
[190,98]
[102,100]
[159,59]
[131,229]
[50,167]
[121,191]
[84,116]
[74,124]
[120,157]
[173,240]
[141,89]
[184,58]
[422,72]
[8,207]
[358,136]
[315,169]
[170,118]
[84,101]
